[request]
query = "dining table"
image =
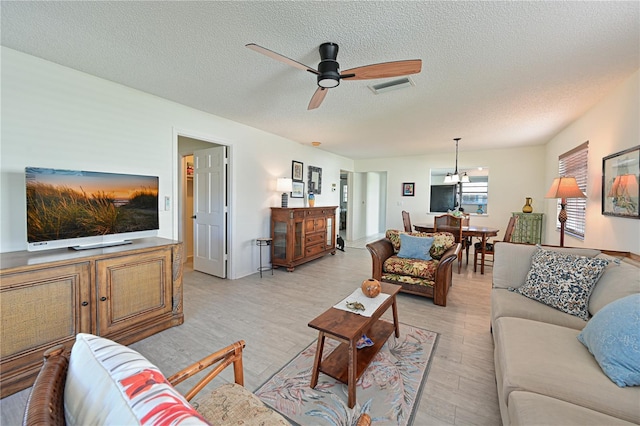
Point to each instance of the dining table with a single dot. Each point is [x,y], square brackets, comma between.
[481,232]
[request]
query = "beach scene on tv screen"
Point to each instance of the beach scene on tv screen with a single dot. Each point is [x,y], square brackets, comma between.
[65,204]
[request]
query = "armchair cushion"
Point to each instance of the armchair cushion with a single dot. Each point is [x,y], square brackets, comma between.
[415,247]
[232,401]
[412,267]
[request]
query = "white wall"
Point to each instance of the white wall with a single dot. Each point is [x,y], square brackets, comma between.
[610,126]
[53,116]
[514,174]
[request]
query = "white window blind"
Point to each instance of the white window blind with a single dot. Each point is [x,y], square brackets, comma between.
[574,163]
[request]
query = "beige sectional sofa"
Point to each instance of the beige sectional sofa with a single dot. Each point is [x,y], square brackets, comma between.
[544,374]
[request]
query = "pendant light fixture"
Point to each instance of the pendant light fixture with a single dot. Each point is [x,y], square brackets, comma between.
[455,177]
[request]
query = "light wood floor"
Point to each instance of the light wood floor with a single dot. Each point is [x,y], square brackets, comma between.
[271,315]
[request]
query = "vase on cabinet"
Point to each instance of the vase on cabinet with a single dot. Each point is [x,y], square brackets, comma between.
[527,206]
[312,199]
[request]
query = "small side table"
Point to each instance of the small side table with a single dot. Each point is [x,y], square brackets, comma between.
[264,242]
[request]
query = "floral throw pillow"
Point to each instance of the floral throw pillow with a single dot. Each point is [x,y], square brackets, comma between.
[442,241]
[562,281]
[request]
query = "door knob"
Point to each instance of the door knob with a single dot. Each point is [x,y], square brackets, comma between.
[193,217]
[102,299]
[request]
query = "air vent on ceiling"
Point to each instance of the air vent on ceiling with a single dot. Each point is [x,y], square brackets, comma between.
[387,86]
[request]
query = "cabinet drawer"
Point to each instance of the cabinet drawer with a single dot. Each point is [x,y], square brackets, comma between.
[313,213]
[314,239]
[311,250]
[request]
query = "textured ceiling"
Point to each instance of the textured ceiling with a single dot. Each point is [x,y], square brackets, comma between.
[496,74]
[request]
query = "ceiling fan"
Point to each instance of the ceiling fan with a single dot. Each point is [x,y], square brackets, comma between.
[329,74]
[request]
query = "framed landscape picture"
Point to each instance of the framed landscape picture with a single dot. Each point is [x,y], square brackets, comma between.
[620,189]
[297,171]
[408,189]
[298,190]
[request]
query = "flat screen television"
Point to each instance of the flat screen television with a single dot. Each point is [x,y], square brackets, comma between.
[443,198]
[82,210]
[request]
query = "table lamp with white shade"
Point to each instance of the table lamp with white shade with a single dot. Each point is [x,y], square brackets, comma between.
[284,185]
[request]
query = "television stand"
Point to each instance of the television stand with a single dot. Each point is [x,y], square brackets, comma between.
[101,245]
[123,293]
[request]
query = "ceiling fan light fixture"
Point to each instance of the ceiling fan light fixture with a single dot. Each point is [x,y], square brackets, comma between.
[329,74]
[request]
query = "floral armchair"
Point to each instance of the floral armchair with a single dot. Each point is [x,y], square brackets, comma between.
[430,277]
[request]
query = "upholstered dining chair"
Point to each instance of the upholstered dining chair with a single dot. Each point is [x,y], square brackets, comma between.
[452,224]
[489,247]
[406,221]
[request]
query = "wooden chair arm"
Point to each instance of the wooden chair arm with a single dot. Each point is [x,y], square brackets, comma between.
[45,405]
[444,274]
[232,354]
[380,251]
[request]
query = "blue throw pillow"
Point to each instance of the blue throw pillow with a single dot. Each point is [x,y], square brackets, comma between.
[613,337]
[415,247]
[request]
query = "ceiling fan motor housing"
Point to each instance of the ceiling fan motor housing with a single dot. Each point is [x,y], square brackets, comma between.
[328,68]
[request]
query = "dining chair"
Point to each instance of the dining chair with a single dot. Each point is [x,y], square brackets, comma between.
[466,218]
[489,247]
[406,221]
[452,224]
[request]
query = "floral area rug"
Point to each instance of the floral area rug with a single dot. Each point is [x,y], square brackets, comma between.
[388,389]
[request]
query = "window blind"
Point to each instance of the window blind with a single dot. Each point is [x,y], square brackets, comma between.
[574,163]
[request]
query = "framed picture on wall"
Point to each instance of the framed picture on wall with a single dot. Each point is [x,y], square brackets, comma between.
[297,171]
[620,189]
[297,190]
[408,189]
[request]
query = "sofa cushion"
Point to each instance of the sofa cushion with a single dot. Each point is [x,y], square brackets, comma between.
[562,281]
[425,269]
[513,262]
[505,303]
[613,337]
[441,241]
[619,279]
[528,408]
[548,359]
[415,247]
[108,383]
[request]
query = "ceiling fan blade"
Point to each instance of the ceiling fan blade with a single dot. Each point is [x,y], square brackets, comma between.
[279,57]
[317,98]
[383,70]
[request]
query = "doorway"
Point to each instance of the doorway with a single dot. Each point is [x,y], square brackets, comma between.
[366,207]
[203,204]
[344,198]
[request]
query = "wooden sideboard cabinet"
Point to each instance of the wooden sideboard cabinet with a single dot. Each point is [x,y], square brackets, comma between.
[124,293]
[302,234]
[528,228]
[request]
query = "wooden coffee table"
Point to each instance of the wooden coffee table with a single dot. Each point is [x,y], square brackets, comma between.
[347,363]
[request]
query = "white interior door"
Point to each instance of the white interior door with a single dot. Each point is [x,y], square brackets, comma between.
[210,211]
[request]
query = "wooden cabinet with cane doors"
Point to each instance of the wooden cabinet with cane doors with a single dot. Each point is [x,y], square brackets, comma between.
[302,234]
[124,293]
